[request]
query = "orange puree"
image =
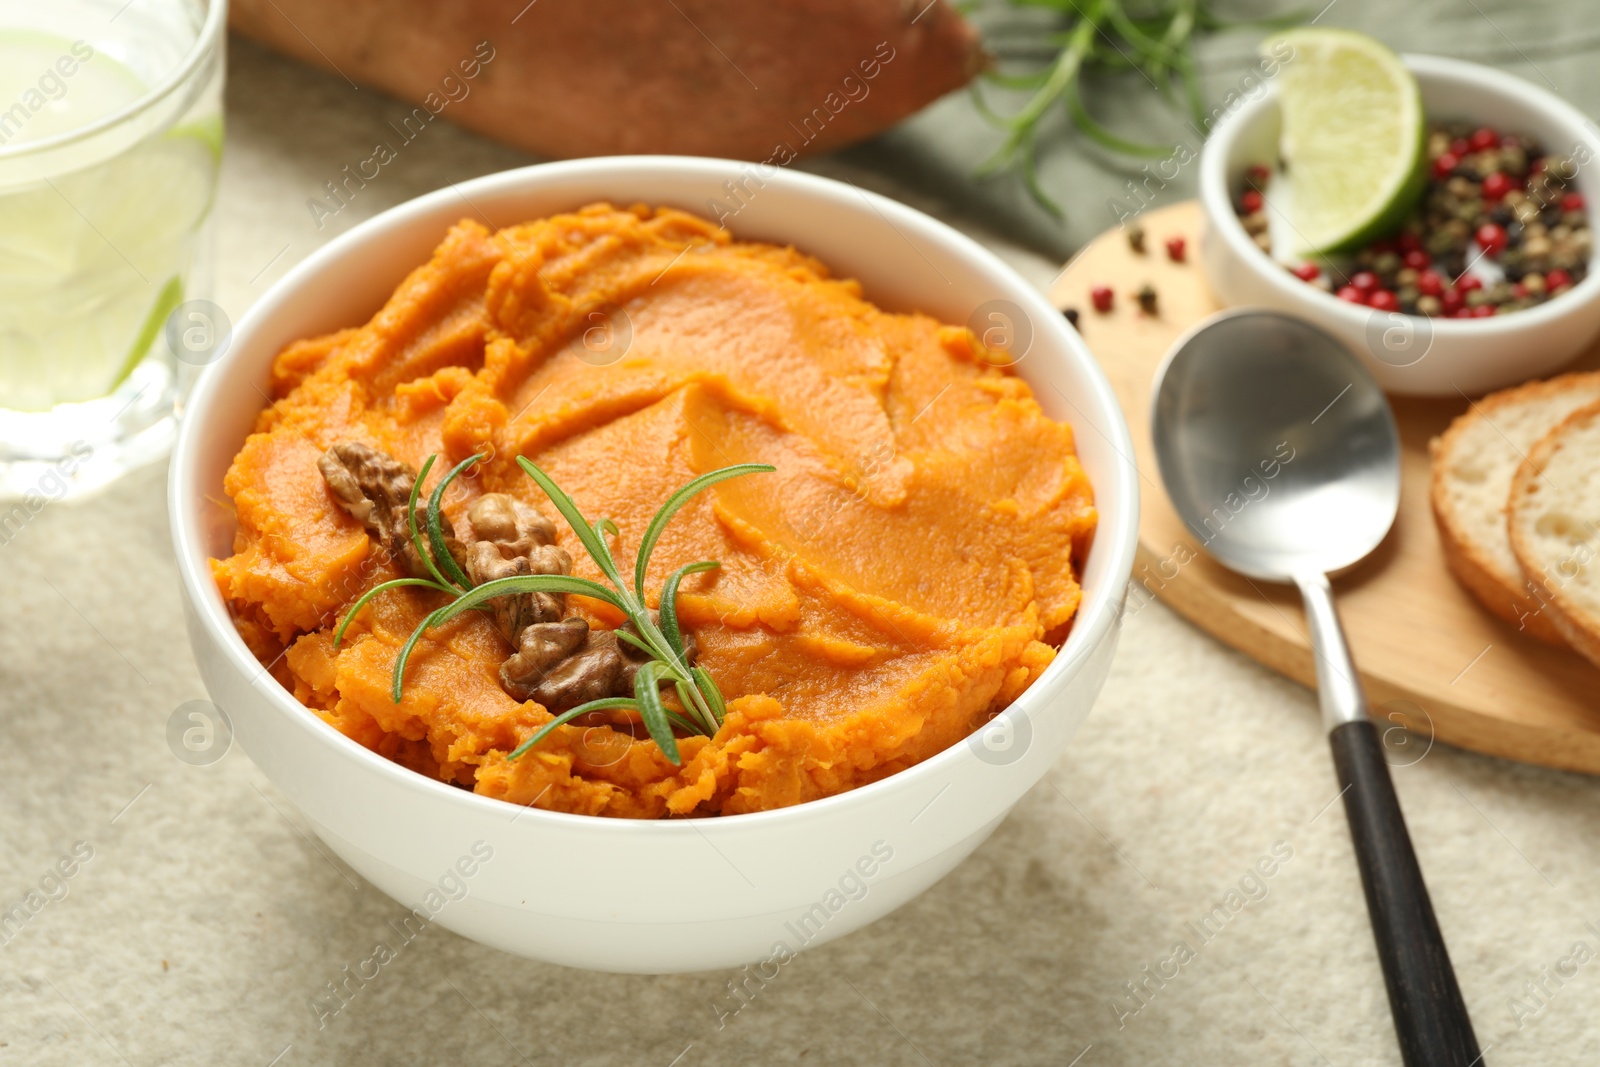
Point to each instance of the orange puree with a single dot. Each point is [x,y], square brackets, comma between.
[894,584]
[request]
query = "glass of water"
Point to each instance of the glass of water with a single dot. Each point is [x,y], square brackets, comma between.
[110,141]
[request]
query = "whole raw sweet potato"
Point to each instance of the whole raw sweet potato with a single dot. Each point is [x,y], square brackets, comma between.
[565,78]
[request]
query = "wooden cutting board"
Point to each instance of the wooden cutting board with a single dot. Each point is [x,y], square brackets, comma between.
[1432,659]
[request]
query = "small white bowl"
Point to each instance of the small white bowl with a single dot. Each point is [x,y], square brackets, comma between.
[1411,354]
[675,895]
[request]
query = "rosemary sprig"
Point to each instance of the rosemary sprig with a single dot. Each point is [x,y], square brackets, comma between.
[702,707]
[1155,39]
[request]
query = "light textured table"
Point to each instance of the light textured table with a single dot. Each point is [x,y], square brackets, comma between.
[207,917]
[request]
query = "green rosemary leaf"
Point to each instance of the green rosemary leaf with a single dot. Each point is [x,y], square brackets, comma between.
[592,542]
[528,583]
[411,521]
[641,645]
[441,553]
[1015,81]
[654,712]
[684,724]
[707,688]
[1100,135]
[604,529]
[669,603]
[658,524]
[694,707]
[381,587]
[603,704]
[1158,50]
[397,683]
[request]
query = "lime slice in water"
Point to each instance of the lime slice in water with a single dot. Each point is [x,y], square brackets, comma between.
[1354,140]
[95,260]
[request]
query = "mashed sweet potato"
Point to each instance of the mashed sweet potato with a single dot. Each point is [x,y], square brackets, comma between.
[901,577]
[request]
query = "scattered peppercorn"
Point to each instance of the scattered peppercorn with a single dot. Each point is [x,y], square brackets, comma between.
[1147,298]
[1176,250]
[1101,297]
[1492,198]
[1136,239]
[1072,316]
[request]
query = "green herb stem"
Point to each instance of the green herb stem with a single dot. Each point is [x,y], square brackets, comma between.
[703,706]
[1158,42]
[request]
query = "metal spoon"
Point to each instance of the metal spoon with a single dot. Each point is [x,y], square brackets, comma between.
[1281,455]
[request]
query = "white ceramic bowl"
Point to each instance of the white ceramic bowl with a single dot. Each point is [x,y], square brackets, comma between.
[1409,354]
[673,895]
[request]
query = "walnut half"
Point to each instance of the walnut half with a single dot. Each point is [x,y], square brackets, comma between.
[509,538]
[564,664]
[375,487]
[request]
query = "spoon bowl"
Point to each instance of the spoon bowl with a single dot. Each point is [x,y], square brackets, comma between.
[1277,446]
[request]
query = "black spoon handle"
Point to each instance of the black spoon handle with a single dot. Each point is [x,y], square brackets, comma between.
[1429,1015]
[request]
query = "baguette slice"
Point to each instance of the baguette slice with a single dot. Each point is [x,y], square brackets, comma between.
[1474,462]
[1554,522]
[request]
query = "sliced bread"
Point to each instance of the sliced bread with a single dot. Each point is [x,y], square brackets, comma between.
[1554,525]
[1474,462]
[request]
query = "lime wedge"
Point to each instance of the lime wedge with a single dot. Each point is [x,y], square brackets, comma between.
[1354,139]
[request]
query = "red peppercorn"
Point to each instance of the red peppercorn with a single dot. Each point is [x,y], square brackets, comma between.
[1537,165]
[1416,259]
[1175,249]
[1430,283]
[1258,173]
[1384,300]
[1573,202]
[1352,294]
[1308,272]
[1409,242]
[1491,238]
[1101,297]
[1483,311]
[1484,139]
[1519,291]
[1252,201]
[1451,300]
[1497,185]
[1556,279]
[1445,164]
[1461,313]
[1460,146]
[1468,282]
[1364,280]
